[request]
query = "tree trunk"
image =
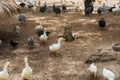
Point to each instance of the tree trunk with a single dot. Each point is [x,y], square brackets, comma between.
[67,35]
[87,3]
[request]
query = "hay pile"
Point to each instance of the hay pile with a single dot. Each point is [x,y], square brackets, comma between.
[7,8]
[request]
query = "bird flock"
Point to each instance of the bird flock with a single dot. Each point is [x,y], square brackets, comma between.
[107,74]
[43,36]
[25,74]
[27,71]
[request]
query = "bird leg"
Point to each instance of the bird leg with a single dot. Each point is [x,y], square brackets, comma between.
[53,53]
[25,79]
[43,43]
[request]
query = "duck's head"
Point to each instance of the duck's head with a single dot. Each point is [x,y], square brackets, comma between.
[26,59]
[61,39]
[7,63]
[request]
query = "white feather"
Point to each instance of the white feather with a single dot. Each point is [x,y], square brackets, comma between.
[39,27]
[17,29]
[108,74]
[92,68]
[27,71]
[4,74]
[57,46]
[44,37]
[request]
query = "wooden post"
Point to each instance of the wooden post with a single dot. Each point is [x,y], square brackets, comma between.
[67,35]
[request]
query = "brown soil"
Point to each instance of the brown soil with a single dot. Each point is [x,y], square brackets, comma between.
[69,64]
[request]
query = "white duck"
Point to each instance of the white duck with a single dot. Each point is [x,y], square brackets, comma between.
[4,74]
[27,71]
[109,75]
[93,69]
[39,28]
[43,38]
[55,47]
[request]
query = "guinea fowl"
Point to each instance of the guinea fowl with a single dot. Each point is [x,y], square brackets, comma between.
[89,10]
[31,41]
[43,8]
[17,29]
[56,10]
[102,23]
[14,43]
[22,4]
[21,18]
[64,8]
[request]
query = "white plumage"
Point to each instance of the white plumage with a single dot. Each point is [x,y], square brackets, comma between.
[43,38]
[93,69]
[39,28]
[4,74]
[117,8]
[108,74]
[27,71]
[55,47]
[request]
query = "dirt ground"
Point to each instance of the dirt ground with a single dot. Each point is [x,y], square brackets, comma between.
[70,62]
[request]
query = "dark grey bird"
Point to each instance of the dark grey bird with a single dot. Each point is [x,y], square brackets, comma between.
[30,41]
[64,8]
[14,43]
[102,23]
[43,8]
[89,10]
[21,18]
[56,9]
